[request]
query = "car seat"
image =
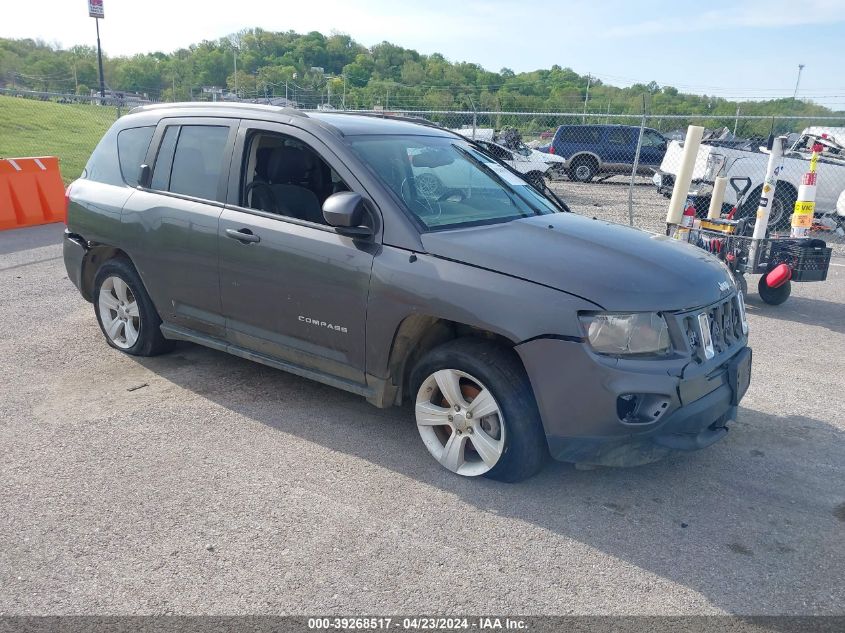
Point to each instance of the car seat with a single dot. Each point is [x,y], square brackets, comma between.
[287,169]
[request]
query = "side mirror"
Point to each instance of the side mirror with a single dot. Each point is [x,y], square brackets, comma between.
[345,211]
[145,176]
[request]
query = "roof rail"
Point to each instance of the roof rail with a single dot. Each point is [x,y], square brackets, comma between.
[220,105]
[396,117]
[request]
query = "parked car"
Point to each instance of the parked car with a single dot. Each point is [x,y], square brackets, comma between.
[534,165]
[604,150]
[300,241]
[746,159]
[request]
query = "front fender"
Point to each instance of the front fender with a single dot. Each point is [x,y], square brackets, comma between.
[405,284]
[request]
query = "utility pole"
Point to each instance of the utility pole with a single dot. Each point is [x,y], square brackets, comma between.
[343,101]
[736,121]
[586,97]
[100,65]
[798,81]
[235,53]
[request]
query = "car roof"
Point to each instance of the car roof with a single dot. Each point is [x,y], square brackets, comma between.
[344,124]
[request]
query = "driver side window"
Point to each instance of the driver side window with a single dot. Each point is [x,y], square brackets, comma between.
[284,176]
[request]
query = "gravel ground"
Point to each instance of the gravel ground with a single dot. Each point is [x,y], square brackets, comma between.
[608,200]
[200,483]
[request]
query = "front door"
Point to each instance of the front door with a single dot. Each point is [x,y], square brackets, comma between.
[292,287]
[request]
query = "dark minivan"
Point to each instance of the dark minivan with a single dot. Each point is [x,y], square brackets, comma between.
[605,150]
[513,328]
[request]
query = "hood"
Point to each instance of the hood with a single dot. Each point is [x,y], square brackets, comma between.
[546,158]
[617,267]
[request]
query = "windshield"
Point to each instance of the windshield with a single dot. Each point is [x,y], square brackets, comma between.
[446,182]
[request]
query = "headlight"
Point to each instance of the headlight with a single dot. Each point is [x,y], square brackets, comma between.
[715,162]
[643,333]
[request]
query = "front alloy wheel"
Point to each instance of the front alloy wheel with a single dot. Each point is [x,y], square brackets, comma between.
[119,312]
[460,422]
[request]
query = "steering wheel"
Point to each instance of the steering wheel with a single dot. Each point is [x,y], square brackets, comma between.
[452,193]
[258,186]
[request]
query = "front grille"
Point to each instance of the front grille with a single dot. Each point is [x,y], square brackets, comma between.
[725,328]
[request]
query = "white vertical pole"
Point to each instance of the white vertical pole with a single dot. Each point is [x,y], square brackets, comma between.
[684,176]
[716,199]
[767,194]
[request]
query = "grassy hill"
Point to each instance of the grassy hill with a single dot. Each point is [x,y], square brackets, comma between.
[44,128]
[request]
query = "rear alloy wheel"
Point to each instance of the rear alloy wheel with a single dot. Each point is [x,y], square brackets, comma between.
[583,170]
[475,411]
[119,312]
[125,311]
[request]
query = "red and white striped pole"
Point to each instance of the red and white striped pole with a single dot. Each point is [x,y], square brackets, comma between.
[805,206]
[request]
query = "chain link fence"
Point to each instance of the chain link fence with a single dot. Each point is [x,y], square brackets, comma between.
[622,168]
[615,167]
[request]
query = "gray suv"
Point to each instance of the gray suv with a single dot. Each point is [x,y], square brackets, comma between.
[304,241]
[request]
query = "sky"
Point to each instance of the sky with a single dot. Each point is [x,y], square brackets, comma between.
[740,49]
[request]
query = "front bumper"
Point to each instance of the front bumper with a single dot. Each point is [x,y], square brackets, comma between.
[578,396]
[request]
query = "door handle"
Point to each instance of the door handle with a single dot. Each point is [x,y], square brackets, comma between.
[244,236]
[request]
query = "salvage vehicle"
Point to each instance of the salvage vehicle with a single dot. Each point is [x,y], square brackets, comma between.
[535,165]
[514,328]
[602,151]
[739,160]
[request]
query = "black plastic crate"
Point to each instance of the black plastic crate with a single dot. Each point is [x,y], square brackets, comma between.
[808,259]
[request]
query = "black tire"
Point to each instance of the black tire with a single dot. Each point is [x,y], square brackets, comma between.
[780,217]
[500,370]
[773,296]
[583,169]
[150,341]
[742,282]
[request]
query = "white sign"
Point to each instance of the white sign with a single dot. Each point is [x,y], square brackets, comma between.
[95,9]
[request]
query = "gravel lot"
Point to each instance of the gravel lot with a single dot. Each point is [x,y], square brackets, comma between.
[608,200]
[200,483]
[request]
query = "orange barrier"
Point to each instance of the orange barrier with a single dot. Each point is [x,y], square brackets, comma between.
[31,192]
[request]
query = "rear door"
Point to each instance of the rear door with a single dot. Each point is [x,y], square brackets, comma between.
[296,290]
[172,225]
[619,147]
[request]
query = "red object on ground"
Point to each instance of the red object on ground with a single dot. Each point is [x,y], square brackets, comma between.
[778,276]
[689,216]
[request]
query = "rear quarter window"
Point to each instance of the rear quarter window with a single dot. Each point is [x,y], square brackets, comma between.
[581,134]
[132,146]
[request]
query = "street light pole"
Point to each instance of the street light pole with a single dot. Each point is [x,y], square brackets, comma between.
[798,81]
[100,64]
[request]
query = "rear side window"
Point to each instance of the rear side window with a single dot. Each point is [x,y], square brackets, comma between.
[164,160]
[583,134]
[132,146]
[190,160]
[620,136]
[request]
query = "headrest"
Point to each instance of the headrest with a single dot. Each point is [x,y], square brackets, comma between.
[287,165]
[262,162]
